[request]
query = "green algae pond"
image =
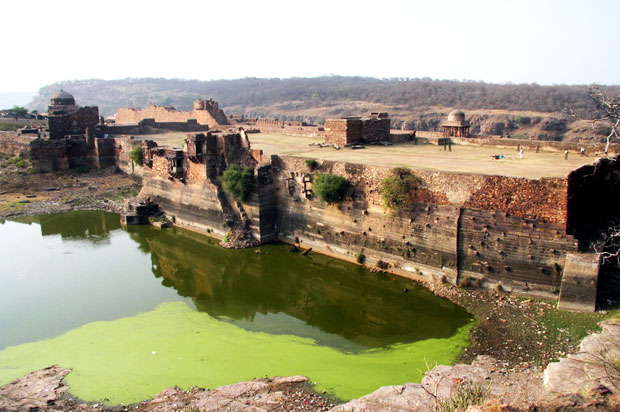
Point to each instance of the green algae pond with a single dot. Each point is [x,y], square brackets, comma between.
[135,310]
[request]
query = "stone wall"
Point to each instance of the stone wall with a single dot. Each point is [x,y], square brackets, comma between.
[75,123]
[307,131]
[494,229]
[277,123]
[343,131]
[376,129]
[593,195]
[195,206]
[162,114]
[13,144]
[147,125]
[520,252]
[354,130]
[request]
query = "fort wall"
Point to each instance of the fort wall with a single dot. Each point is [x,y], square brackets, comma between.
[212,117]
[517,241]
[13,144]
[147,126]
[480,229]
[307,131]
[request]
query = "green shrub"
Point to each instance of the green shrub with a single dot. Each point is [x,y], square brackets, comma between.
[136,155]
[398,190]
[360,258]
[312,164]
[19,162]
[237,181]
[330,188]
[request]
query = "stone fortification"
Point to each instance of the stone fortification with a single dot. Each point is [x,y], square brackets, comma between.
[354,130]
[289,130]
[462,227]
[205,112]
[151,126]
[185,183]
[74,123]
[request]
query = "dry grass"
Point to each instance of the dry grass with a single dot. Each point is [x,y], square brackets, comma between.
[462,159]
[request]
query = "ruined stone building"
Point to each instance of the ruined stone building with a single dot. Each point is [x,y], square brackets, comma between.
[66,119]
[205,112]
[73,138]
[356,130]
[456,125]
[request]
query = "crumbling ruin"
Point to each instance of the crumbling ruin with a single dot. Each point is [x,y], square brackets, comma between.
[355,130]
[205,112]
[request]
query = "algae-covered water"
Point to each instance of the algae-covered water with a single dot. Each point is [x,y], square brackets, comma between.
[135,311]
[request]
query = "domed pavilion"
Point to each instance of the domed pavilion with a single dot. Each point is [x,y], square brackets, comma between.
[61,103]
[456,125]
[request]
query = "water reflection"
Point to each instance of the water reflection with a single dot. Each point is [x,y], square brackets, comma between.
[334,302]
[80,225]
[62,271]
[80,267]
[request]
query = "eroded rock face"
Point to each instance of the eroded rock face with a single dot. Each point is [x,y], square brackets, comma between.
[519,389]
[35,390]
[595,364]
[44,391]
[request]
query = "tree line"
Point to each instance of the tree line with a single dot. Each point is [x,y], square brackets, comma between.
[306,93]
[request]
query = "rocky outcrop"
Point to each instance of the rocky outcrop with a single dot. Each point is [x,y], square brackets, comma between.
[596,364]
[591,372]
[44,390]
[519,389]
[34,391]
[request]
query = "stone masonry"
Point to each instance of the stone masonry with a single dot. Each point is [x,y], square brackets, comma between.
[205,112]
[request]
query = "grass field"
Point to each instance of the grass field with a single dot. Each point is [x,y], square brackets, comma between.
[465,159]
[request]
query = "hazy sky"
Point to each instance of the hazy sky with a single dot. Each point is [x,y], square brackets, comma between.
[518,41]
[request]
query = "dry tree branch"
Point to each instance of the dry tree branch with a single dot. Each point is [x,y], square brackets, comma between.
[609,109]
[608,248]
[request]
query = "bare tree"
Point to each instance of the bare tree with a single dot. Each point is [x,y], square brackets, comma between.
[608,247]
[609,111]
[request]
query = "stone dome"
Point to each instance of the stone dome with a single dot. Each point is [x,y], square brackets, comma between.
[62,98]
[456,116]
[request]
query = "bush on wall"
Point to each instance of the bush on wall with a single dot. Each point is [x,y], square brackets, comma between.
[136,155]
[398,191]
[237,181]
[330,188]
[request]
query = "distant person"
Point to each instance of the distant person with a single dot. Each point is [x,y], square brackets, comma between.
[565,154]
[537,148]
[582,151]
[521,153]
